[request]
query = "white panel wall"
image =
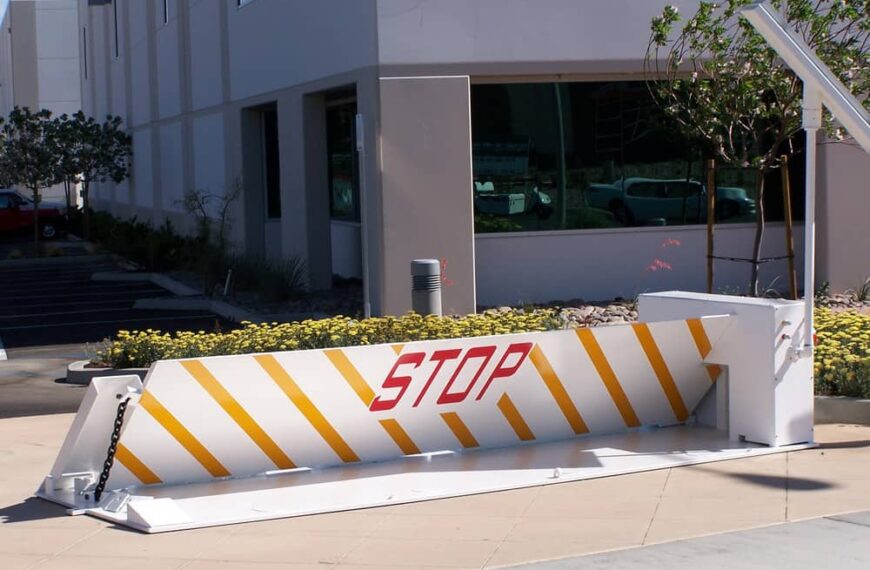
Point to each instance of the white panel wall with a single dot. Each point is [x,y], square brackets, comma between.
[205,54]
[139,75]
[282,43]
[168,90]
[57,39]
[117,65]
[346,249]
[171,168]
[601,264]
[97,70]
[143,179]
[6,95]
[208,155]
[492,31]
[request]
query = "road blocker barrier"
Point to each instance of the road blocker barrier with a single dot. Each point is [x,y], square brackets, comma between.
[231,439]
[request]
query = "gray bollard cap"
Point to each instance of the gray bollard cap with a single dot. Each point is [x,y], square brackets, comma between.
[425,267]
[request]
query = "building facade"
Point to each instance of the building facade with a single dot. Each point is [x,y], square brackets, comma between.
[39,59]
[514,141]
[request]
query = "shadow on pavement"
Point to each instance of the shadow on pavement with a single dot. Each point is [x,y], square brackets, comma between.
[31,509]
[775,481]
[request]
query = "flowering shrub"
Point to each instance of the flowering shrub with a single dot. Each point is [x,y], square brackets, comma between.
[842,356]
[141,348]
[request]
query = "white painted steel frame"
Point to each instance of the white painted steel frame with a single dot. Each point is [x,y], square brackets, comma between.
[821,86]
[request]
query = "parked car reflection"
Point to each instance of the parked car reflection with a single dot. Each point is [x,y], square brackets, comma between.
[651,201]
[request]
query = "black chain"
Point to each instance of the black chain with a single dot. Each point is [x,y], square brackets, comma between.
[113,447]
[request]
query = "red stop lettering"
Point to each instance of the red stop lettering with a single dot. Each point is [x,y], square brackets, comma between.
[440,356]
[484,352]
[400,382]
[501,371]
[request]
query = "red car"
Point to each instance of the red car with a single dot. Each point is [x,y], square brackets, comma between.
[16,215]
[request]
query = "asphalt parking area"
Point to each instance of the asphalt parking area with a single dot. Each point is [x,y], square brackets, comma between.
[52,314]
[57,303]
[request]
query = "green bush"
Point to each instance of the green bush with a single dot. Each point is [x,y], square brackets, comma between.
[141,348]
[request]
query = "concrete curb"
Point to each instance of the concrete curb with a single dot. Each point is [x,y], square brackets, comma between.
[76,373]
[175,287]
[59,260]
[842,410]
[227,311]
[189,299]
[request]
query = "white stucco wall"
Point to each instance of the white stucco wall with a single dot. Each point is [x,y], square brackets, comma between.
[140,76]
[166,38]
[171,168]
[280,43]
[143,179]
[414,32]
[208,156]
[205,49]
[346,250]
[57,65]
[601,264]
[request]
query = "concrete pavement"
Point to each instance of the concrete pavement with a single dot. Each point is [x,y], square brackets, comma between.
[31,381]
[54,301]
[482,531]
[841,542]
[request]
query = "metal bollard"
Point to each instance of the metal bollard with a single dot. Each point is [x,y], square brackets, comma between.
[426,286]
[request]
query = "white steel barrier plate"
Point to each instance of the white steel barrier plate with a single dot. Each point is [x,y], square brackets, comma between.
[229,439]
[425,477]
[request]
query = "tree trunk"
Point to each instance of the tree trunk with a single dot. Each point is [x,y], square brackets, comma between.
[35,192]
[67,190]
[759,233]
[86,210]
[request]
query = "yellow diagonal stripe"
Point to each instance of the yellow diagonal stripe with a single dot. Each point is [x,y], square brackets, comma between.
[400,436]
[235,410]
[514,418]
[307,407]
[135,466]
[351,375]
[355,380]
[460,430]
[657,361]
[702,341]
[608,376]
[551,380]
[181,434]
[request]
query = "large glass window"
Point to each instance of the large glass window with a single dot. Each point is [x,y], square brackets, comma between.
[272,162]
[342,160]
[552,156]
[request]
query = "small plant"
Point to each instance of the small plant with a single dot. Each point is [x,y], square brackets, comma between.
[823,289]
[861,293]
[213,223]
[277,280]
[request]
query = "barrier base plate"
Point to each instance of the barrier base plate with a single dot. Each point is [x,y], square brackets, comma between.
[415,478]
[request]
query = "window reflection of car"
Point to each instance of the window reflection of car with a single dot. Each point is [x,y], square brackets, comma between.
[16,214]
[642,201]
[522,199]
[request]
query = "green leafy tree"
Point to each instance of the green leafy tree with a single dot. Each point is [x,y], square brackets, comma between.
[101,153]
[30,154]
[69,140]
[723,85]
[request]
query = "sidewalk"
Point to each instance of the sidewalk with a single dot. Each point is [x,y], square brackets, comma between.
[841,542]
[513,527]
